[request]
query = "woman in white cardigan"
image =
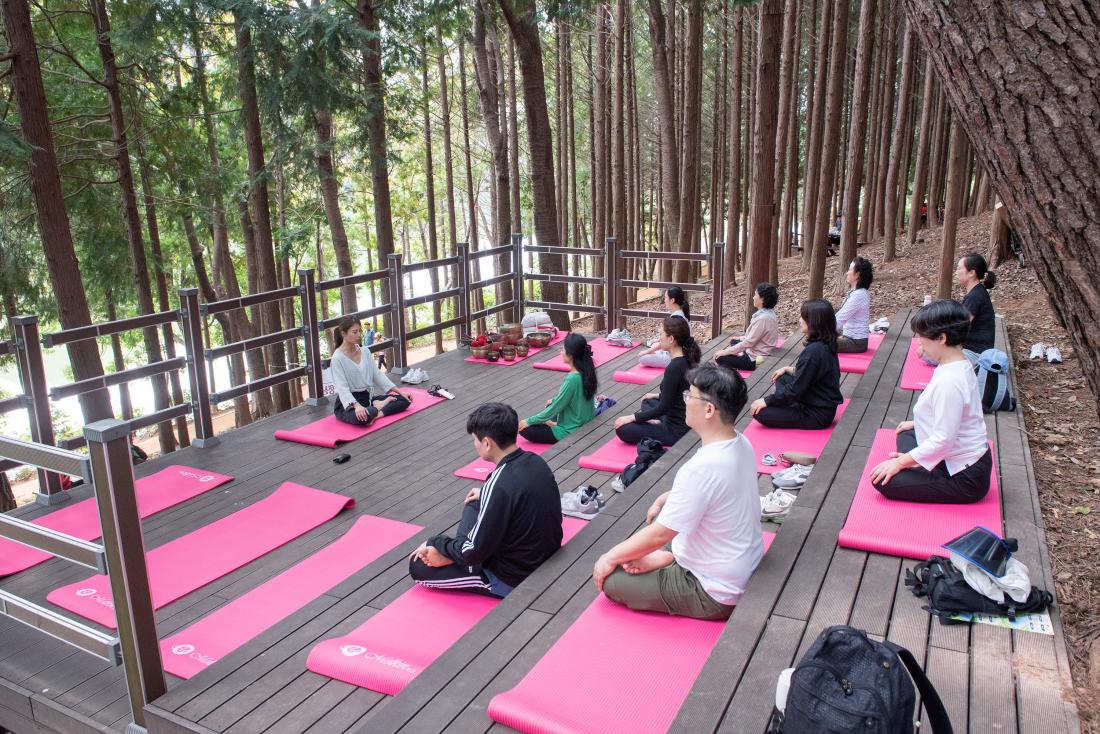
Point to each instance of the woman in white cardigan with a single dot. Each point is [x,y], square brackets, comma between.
[362,390]
[943,454]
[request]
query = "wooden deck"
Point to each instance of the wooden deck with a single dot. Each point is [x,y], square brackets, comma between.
[990,678]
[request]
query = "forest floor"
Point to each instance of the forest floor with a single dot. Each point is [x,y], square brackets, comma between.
[1060,414]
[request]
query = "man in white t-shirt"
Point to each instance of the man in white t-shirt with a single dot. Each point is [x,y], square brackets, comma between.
[702,541]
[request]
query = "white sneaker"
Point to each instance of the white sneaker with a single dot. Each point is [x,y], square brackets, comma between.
[1037,350]
[617,483]
[793,477]
[583,502]
[1053,355]
[776,504]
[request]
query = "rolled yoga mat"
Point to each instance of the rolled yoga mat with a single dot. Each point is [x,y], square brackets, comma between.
[910,529]
[190,562]
[195,648]
[613,456]
[858,363]
[775,441]
[639,374]
[389,650]
[156,492]
[560,336]
[602,352]
[651,660]
[480,468]
[330,431]
[915,373]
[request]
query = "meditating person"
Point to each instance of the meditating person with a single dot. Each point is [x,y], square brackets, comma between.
[662,413]
[509,525]
[363,392]
[702,540]
[677,304]
[853,318]
[762,336]
[975,277]
[807,393]
[943,453]
[575,403]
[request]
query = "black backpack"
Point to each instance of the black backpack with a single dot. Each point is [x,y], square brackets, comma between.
[847,682]
[948,593]
[649,450]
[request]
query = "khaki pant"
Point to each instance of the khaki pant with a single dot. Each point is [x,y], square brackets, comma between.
[672,590]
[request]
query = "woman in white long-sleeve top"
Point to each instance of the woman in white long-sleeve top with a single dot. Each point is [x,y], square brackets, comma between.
[942,454]
[855,312]
[362,390]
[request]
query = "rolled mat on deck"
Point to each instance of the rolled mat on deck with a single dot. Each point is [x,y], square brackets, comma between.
[639,374]
[613,456]
[775,441]
[602,352]
[330,431]
[393,646]
[915,373]
[190,562]
[560,336]
[193,649]
[651,661]
[910,529]
[156,492]
[858,363]
[480,468]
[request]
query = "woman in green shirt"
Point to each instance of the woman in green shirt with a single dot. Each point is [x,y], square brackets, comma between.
[575,403]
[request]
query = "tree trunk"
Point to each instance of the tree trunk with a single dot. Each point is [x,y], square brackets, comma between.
[956,179]
[787,73]
[811,175]
[900,142]
[767,109]
[618,139]
[794,122]
[690,170]
[733,203]
[429,174]
[330,196]
[120,360]
[885,126]
[512,119]
[471,199]
[920,177]
[666,113]
[857,137]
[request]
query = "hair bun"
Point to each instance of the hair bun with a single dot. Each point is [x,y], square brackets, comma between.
[588,350]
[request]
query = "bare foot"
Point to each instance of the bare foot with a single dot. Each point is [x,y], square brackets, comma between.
[651,562]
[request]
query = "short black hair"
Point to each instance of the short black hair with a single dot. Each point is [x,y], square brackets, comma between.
[724,388]
[768,293]
[944,316]
[497,421]
[820,321]
[865,270]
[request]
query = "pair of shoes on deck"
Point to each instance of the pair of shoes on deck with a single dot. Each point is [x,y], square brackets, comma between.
[793,477]
[584,502]
[415,376]
[1051,353]
[776,504]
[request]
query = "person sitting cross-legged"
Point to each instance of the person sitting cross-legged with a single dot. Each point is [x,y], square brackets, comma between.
[363,391]
[509,525]
[762,336]
[702,540]
[574,405]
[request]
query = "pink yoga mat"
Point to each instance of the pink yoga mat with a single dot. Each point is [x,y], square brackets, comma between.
[639,374]
[329,431]
[910,529]
[156,492]
[766,440]
[858,363]
[602,352]
[560,336]
[199,646]
[613,456]
[651,661]
[391,648]
[187,563]
[480,468]
[915,373]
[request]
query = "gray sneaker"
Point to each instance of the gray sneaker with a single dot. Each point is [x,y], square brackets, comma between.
[793,477]
[581,503]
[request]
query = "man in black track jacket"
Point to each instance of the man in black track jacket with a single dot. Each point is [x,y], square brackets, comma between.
[509,525]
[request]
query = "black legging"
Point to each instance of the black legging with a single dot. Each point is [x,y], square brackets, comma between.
[454,576]
[539,433]
[667,434]
[805,417]
[917,484]
[740,361]
[398,405]
[846,345]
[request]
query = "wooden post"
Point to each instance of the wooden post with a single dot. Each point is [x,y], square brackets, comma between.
[311,337]
[397,306]
[611,265]
[191,328]
[463,268]
[32,374]
[717,287]
[517,273]
[113,476]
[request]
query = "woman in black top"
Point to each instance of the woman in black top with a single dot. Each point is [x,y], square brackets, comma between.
[806,394]
[974,275]
[663,414]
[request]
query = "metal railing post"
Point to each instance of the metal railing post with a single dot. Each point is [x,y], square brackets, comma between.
[311,337]
[611,264]
[397,300]
[191,328]
[113,476]
[463,267]
[517,272]
[32,375]
[717,287]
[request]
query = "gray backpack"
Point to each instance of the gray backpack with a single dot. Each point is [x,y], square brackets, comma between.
[992,371]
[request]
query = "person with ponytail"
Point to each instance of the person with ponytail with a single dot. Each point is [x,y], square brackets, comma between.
[363,391]
[575,403]
[677,304]
[807,393]
[662,415]
[975,277]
